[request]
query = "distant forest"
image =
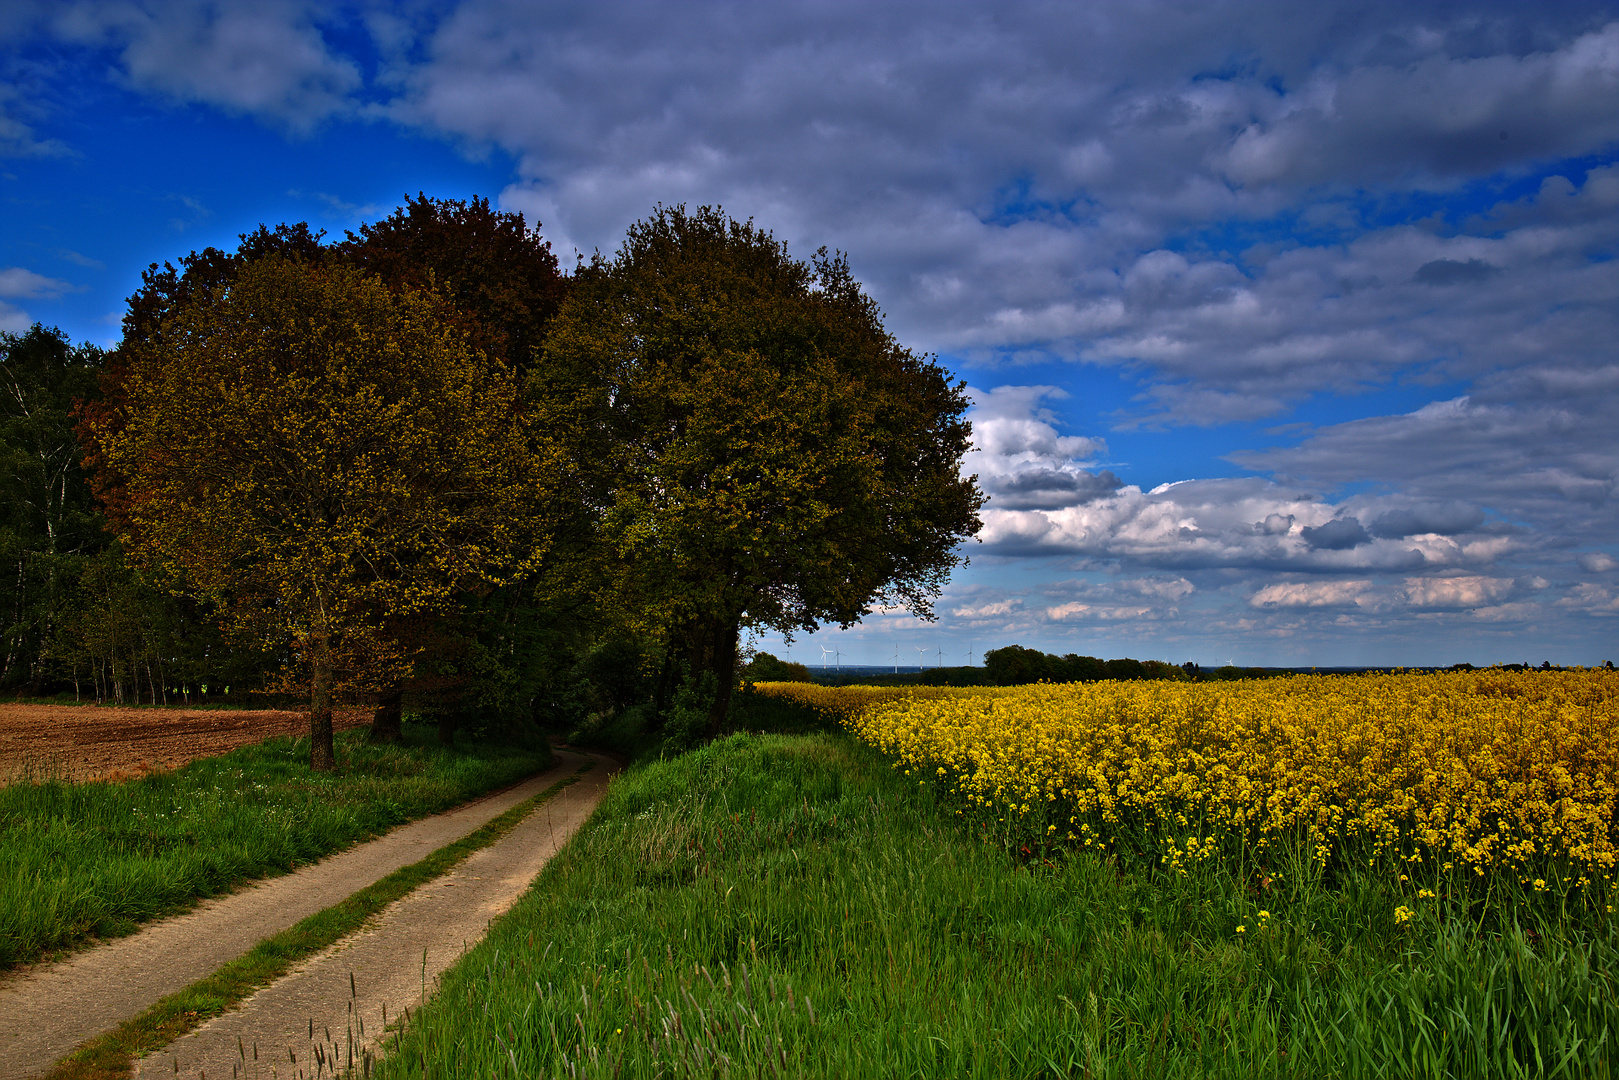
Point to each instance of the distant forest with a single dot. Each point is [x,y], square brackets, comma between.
[1011,665]
[1014,665]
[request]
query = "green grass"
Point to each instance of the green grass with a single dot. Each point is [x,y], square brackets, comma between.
[789,905]
[97,859]
[112,1055]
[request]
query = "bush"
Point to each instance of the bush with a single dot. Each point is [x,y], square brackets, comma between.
[766,668]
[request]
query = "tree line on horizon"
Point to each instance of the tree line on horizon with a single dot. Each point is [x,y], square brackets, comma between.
[423,468]
[1015,665]
[1010,665]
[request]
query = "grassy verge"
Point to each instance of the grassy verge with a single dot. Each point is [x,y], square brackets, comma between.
[789,905]
[111,1056]
[99,858]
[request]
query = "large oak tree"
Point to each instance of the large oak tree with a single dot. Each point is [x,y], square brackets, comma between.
[497,272]
[322,455]
[501,278]
[766,454]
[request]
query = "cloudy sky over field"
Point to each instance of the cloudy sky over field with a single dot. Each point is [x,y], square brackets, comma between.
[1292,329]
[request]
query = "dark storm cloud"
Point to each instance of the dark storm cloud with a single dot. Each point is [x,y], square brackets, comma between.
[1015,178]
[1446,519]
[1339,534]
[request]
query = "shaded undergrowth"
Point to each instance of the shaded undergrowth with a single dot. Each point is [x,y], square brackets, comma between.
[635,734]
[773,905]
[98,858]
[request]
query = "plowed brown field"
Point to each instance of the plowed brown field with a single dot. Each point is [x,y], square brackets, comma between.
[89,742]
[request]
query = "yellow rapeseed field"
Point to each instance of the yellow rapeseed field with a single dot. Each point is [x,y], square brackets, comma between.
[1433,775]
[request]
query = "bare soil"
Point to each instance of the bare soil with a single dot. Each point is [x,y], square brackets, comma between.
[103,742]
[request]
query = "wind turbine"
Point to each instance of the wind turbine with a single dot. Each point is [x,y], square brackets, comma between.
[941,658]
[837,658]
[969,656]
[896,658]
[824,652]
[921,651]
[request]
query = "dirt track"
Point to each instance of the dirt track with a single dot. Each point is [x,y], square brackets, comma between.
[48,1009]
[89,742]
[342,997]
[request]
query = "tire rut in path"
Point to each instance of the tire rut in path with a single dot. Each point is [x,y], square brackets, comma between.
[49,1009]
[328,1014]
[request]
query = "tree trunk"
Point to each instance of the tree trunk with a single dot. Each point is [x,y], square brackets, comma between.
[660,690]
[446,728]
[322,757]
[387,721]
[722,657]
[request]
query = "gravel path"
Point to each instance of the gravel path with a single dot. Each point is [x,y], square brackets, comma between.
[333,1010]
[47,1010]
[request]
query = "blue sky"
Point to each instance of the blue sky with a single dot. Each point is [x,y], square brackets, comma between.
[1290,328]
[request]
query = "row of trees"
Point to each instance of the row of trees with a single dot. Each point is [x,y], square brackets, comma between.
[424,463]
[1012,665]
[1015,665]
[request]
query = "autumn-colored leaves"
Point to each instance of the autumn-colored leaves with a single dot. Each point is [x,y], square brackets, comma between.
[324,456]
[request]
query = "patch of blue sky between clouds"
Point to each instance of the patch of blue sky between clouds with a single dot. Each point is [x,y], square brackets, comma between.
[203,178]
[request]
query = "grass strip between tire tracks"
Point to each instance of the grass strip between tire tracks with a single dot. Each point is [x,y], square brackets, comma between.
[111,1056]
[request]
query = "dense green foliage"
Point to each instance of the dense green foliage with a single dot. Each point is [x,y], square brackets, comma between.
[792,904]
[97,858]
[48,526]
[493,269]
[73,614]
[489,660]
[762,452]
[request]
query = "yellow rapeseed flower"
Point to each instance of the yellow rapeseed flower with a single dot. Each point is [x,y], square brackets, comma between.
[1466,772]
